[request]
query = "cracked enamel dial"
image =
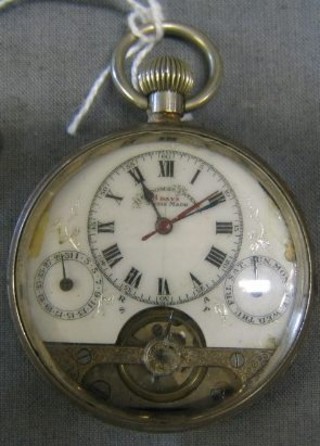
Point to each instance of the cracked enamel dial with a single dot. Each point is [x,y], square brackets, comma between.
[171,207]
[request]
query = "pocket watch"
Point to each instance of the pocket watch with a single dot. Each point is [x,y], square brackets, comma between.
[161,277]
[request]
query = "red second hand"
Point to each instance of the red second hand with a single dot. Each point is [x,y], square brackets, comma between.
[187,211]
[180,216]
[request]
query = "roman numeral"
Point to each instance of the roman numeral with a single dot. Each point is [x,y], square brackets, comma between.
[163,287]
[196,282]
[112,255]
[166,168]
[216,257]
[224,227]
[216,198]
[133,278]
[195,176]
[114,197]
[136,175]
[106,227]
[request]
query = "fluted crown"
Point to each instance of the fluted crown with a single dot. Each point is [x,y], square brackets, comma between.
[166,73]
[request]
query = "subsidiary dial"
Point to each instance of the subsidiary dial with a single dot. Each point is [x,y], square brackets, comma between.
[258,290]
[158,207]
[165,227]
[68,285]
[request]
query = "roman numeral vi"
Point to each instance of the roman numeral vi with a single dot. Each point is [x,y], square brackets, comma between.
[163,287]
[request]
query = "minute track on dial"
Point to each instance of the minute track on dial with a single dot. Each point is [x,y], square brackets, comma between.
[161,195]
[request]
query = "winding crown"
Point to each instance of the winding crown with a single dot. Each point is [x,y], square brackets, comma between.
[166,73]
[166,81]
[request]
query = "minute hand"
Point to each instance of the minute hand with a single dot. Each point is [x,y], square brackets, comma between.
[214,199]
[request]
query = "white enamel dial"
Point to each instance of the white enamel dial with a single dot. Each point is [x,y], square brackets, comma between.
[171,239]
[173,208]
[157,270]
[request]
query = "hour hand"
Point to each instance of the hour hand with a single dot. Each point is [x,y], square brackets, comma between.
[149,196]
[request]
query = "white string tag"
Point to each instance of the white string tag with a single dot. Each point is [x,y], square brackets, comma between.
[140,16]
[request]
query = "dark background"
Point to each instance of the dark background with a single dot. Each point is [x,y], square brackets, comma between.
[50,53]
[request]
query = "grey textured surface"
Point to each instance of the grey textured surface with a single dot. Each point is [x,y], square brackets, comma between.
[269,101]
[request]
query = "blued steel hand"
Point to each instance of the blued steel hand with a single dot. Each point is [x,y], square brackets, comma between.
[149,196]
[193,209]
[214,199]
[66,284]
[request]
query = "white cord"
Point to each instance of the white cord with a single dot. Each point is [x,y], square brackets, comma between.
[142,15]
[137,18]
[88,101]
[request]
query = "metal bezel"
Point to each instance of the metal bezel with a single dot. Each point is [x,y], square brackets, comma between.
[160,422]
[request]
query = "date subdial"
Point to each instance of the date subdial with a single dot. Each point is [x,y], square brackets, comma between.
[68,285]
[258,290]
